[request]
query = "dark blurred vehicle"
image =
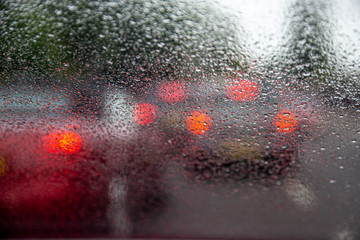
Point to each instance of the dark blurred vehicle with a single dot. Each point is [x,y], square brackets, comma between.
[233,130]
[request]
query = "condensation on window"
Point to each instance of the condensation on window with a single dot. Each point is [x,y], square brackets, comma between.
[179,119]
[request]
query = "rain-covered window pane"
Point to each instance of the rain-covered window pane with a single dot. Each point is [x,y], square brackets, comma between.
[180,119]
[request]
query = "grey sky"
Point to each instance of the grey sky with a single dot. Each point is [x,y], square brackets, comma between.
[264,23]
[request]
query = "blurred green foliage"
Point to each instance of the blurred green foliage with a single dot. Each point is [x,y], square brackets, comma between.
[130,39]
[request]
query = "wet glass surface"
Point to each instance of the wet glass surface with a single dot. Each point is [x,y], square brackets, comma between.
[180,119]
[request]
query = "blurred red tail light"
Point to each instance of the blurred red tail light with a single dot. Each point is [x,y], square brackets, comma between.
[172,92]
[144,113]
[198,122]
[63,142]
[243,90]
[285,121]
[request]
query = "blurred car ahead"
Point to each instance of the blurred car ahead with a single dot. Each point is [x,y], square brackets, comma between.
[236,129]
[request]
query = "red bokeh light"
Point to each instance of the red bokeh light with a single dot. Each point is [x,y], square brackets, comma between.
[172,92]
[144,113]
[198,122]
[243,90]
[285,121]
[63,142]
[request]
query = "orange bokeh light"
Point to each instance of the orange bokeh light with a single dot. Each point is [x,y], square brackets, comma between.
[198,122]
[144,113]
[63,142]
[172,92]
[285,121]
[243,90]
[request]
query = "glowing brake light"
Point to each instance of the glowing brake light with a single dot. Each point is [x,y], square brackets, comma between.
[63,142]
[243,90]
[285,121]
[198,122]
[144,113]
[172,92]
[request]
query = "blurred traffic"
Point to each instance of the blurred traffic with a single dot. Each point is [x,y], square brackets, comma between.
[179,119]
[59,166]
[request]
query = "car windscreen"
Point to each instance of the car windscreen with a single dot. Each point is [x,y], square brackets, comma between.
[180,119]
